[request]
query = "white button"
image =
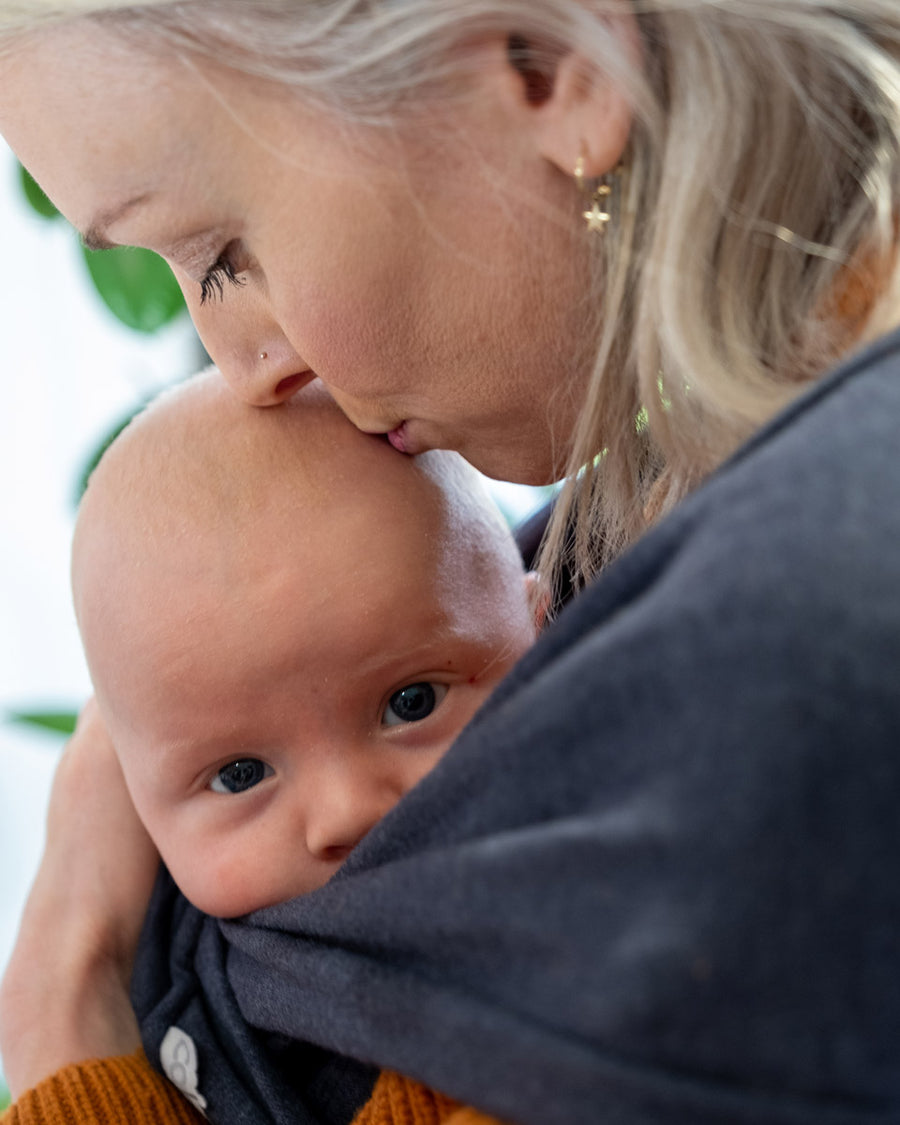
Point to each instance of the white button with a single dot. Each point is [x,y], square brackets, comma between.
[178,1056]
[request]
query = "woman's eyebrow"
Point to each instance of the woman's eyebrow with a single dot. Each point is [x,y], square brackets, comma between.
[94,238]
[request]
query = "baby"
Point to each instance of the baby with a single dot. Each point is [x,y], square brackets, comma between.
[287,623]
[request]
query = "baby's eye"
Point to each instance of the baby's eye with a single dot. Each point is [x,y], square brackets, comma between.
[412,703]
[240,775]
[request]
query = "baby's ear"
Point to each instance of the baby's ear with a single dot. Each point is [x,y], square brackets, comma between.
[538,598]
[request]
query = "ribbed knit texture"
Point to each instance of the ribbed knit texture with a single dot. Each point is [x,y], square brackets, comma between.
[397,1100]
[103,1092]
[126,1089]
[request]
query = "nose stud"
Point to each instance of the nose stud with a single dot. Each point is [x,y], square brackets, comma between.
[263,355]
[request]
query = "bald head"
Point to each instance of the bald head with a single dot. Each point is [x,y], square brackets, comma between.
[201,490]
[197,461]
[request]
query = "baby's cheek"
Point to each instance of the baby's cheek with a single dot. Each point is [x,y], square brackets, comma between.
[230,871]
[209,876]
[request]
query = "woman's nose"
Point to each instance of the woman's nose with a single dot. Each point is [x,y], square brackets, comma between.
[250,349]
[270,376]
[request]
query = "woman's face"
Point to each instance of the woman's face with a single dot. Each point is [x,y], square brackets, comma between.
[434,283]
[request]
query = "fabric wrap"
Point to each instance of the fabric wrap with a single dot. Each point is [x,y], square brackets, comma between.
[246,1076]
[657,879]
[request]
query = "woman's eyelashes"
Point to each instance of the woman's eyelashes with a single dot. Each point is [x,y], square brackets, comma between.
[240,775]
[223,270]
[413,703]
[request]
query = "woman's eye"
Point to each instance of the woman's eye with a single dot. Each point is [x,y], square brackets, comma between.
[223,269]
[412,703]
[240,775]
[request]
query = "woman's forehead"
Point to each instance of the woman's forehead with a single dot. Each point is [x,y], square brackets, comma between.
[101,128]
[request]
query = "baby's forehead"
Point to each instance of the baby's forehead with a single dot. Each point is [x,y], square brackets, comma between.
[277,512]
[200,434]
[198,449]
[202,470]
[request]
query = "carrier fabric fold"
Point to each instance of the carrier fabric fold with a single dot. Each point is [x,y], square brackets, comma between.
[655,880]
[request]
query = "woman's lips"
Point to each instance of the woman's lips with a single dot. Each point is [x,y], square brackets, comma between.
[399,439]
[404,439]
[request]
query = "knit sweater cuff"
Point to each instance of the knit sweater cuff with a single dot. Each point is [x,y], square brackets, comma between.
[103,1092]
[397,1100]
[110,1091]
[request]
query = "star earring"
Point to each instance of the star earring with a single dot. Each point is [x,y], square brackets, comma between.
[598,216]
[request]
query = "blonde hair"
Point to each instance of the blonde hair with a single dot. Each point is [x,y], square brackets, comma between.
[754,222]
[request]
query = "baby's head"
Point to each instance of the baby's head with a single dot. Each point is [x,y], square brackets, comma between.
[287,623]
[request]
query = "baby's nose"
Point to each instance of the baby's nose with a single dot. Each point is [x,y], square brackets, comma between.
[346,809]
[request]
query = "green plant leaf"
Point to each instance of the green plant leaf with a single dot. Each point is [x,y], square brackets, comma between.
[137,286]
[61,722]
[35,196]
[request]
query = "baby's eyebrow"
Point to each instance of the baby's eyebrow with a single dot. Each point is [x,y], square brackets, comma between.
[94,238]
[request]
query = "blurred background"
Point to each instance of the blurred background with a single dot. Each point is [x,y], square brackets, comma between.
[71,370]
[85,340]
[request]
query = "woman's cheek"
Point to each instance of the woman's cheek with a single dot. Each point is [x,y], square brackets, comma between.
[362,347]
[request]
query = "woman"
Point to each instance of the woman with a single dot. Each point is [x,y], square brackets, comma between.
[621,241]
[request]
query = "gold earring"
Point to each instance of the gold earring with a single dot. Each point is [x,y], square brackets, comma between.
[598,216]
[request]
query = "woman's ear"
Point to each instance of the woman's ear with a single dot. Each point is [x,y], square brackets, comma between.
[575,110]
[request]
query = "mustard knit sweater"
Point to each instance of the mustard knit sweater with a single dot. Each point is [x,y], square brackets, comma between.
[126,1089]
